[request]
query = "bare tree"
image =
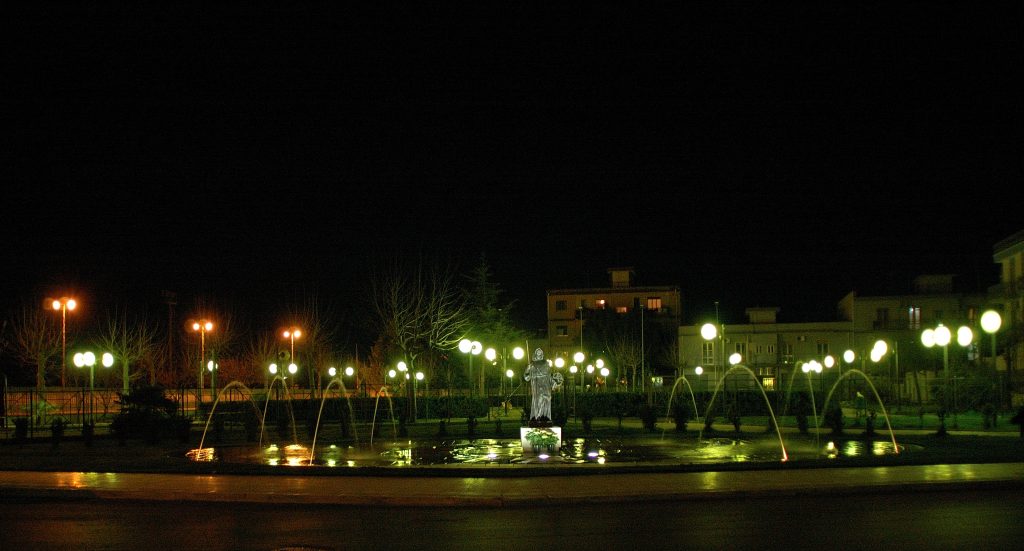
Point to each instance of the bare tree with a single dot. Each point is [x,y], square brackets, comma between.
[35,341]
[262,352]
[131,341]
[418,309]
[626,353]
[319,339]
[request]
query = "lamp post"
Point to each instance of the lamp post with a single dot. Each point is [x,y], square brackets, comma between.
[941,336]
[202,327]
[64,304]
[415,391]
[212,367]
[88,359]
[293,370]
[492,356]
[710,332]
[472,348]
[991,321]
[291,334]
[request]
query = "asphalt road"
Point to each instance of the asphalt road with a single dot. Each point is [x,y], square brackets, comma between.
[897,519]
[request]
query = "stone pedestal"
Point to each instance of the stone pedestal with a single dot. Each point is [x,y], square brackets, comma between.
[548,439]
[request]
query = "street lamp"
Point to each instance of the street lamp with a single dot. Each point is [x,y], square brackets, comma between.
[64,304]
[291,334]
[709,332]
[415,391]
[202,327]
[88,359]
[941,336]
[991,321]
[212,367]
[472,348]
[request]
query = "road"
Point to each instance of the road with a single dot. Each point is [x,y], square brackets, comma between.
[890,519]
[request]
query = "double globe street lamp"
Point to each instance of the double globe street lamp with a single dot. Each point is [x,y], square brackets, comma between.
[472,348]
[941,336]
[202,327]
[88,359]
[64,304]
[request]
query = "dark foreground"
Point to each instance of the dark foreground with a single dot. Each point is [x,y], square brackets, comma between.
[960,519]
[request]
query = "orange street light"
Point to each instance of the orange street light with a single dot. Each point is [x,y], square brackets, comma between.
[63,304]
[202,327]
[291,334]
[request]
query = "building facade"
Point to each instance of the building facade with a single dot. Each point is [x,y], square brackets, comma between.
[568,311]
[775,352]
[1008,294]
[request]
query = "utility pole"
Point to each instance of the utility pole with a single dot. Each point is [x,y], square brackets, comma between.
[170,299]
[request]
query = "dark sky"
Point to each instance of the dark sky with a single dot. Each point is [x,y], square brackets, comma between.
[754,154]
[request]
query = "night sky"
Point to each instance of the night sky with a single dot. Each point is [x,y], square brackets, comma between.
[751,153]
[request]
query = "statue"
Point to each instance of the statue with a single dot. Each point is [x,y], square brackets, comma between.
[538,373]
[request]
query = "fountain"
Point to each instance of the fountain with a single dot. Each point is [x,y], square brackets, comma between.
[671,396]
[745,369]
[606,447]
[200,450]
[323,400]
[266,404]
[850,372]
[810,388]
[394,430]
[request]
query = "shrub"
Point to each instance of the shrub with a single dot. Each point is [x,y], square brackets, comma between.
[21,429]
[680,414]
[88,429]
[648,417]
[56,431]
[145,413]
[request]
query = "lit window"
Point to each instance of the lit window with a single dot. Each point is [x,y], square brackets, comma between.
[654,303]
[601,303]
[621,309]
[914,317]
[708,353]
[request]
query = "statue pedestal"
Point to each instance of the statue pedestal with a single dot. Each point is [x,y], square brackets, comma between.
[538,440]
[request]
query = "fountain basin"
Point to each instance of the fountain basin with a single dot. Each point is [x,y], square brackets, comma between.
[610,451]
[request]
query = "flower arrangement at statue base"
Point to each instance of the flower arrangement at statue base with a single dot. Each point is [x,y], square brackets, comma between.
[541,440]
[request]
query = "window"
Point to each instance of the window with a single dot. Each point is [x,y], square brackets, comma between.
[771,349]
[560,305]
[601,303]
[654,303]
[882,316]
[758,349]
[562,330]
[621,309]
[822,349]
[787,353]
[741,348]
[707,353]
[914,317]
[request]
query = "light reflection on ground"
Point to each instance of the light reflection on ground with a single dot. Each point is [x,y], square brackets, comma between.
[579,451]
